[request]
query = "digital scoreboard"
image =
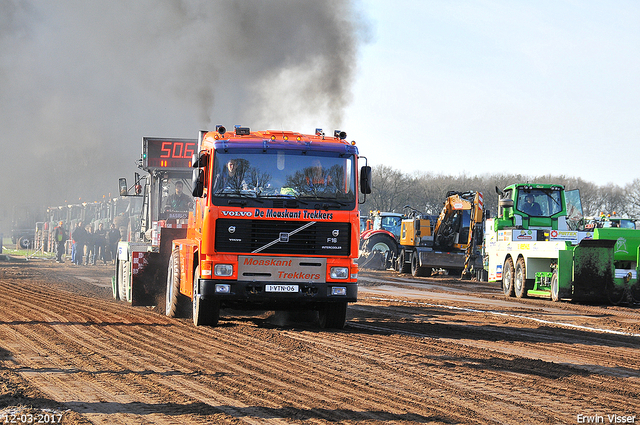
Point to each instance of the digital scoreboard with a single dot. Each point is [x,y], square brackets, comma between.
[167,153]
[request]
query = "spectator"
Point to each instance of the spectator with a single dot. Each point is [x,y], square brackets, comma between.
[113,238]
[60,237]
[101,244]
[79,236]
[91,247]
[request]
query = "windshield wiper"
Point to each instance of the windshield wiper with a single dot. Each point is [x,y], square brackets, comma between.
[326,199]
[232,197]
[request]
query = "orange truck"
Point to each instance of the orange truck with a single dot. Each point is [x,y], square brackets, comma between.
[274,226]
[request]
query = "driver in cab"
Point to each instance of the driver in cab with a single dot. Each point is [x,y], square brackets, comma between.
[531,207]
[179,201]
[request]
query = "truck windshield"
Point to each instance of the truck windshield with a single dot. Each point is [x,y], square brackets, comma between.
[539,202]
[176,197]
[306,177]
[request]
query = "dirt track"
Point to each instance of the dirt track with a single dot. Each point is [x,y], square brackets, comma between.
[414,351]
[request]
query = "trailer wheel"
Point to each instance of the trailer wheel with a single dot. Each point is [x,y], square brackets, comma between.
[520,279]
[204,312]
[555,288]
[333,315]
[416,270]
[173,285]
[508,273]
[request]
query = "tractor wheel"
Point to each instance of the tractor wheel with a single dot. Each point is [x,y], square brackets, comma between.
[204,312]
[333,315]
[403,266]
[383,243]
[508,274]
[24,243]
[520,279]
[416,270]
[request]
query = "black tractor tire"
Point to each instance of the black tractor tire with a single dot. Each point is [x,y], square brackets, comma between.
[520,279]
[24,243]
[416,270]
[381,242]
[333,315]
[402,266]
[204,312]
[508,275]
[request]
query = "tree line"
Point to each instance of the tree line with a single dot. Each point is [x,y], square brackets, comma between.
[426,192]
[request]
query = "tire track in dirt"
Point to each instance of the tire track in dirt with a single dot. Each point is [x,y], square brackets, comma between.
[78,334]
[393,363]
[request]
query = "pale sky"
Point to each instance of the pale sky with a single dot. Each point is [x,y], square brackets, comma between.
[448,87]
[476,87]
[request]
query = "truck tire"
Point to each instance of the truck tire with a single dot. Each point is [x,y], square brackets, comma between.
[333,315]
[204,312]
[402,265]
[508,274]
[520,279]
[416,270]
[383,243]
[174,303]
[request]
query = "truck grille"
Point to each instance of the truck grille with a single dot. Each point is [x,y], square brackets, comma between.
[260,236]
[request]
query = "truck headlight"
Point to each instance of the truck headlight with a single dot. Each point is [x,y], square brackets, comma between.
[339,272]
[223,270]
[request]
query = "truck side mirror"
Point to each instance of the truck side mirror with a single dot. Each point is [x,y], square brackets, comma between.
[199,160]
[122,183]
[365,179]
[506,203]
[197,182]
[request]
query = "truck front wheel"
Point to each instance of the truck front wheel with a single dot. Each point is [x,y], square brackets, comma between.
[508,274]
[174,301]
[333,315]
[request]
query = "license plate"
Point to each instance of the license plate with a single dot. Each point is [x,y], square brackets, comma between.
[281,288]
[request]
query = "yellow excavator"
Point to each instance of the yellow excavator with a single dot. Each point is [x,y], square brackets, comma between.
[451,242]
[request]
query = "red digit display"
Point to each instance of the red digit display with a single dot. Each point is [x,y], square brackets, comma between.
[168,153]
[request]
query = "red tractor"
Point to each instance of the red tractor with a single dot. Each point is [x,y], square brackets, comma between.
[379,240]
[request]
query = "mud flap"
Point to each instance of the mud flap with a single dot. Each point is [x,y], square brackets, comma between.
[593,270]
